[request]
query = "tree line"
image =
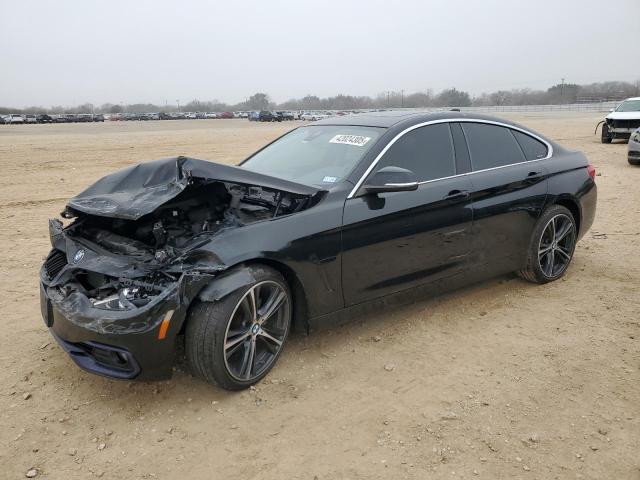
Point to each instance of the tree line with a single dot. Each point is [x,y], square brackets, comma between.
[557,94]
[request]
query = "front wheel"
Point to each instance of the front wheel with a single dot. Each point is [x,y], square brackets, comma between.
[605,136]
[236,341]
[552,245]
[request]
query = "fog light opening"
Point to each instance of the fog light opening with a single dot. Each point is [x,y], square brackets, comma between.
[122,358]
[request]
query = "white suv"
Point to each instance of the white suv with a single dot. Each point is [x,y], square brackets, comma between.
[622,120]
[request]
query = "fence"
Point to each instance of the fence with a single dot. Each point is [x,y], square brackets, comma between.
[569,107]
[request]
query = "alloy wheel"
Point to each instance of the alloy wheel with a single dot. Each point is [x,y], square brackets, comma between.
[556,245]
[256,330]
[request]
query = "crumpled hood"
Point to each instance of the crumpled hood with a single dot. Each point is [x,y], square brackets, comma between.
[624,116]
[140,189]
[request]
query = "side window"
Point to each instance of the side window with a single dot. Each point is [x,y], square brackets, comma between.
[426,151]
[532,148]
[491,146]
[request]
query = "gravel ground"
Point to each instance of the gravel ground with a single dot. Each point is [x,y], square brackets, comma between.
[500,380]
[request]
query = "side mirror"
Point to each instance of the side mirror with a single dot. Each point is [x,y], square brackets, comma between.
[391,179]
[611,109]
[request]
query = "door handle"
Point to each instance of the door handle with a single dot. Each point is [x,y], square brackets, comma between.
[533,177]
[453,194]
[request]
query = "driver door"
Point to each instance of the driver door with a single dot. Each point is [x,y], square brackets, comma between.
[397,240]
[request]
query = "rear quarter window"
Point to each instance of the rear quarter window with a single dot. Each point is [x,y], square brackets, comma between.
[533,149]
[491,146]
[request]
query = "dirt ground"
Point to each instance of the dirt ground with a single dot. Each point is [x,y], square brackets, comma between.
[501,380]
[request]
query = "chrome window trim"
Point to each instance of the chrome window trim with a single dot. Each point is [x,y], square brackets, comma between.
[451,120]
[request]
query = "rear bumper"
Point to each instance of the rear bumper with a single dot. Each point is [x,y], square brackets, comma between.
[588,201]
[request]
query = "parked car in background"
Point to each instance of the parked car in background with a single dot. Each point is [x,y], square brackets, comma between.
[226,115]
[313,116]
[210,115]
[266,116]
[244,114]
[622,120]
[30,118]
[254,116]
[15,119]
[633,150]
[84,118]
[98,117]
[44,118]
[284,115]
[3,119]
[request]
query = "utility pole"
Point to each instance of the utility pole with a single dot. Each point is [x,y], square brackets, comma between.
[388,94]
[562,91]
[401,98]
[178,102]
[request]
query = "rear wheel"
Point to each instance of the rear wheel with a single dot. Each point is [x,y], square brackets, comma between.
[236,341]
[605,136]
[552,245]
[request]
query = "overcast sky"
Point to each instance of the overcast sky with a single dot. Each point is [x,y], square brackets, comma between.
[76,51]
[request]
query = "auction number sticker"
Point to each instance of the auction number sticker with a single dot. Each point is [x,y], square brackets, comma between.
[356,140]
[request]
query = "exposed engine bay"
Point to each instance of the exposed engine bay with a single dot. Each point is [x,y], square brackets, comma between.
[199,210]
[121,260]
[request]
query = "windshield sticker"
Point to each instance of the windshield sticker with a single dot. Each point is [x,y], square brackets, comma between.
[330,179]
[356,140]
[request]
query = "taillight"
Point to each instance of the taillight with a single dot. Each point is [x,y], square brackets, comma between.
[591,170]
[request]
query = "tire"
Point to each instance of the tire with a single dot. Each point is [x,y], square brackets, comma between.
[547,259]
[210,326]
[605,136]
[633,161]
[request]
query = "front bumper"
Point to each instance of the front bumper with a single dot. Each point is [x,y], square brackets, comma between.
[104,346]
[622,131]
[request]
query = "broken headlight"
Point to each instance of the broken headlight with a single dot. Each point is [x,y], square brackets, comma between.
[127,298]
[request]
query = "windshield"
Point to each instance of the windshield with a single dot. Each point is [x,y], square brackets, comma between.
[629,106]
[315,155]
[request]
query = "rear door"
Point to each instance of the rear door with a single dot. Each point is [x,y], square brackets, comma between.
[509,187]
[393,241]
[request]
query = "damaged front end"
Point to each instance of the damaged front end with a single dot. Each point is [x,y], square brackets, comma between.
[116,287]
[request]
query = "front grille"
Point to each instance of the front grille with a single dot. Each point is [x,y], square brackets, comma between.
[55,263]
[626,123]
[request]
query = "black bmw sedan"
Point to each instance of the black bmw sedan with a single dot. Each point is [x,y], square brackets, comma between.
[329,218]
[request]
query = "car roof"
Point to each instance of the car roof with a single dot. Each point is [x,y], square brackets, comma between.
[391,118]
[401,119]
[631,98]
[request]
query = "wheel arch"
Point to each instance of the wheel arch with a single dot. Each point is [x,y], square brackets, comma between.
[300,317]
[573,206]
[240,275]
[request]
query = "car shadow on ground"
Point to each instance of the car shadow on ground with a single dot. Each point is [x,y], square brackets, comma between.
[395,316]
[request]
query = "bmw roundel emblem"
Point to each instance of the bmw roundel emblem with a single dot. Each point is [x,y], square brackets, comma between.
[78,256]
